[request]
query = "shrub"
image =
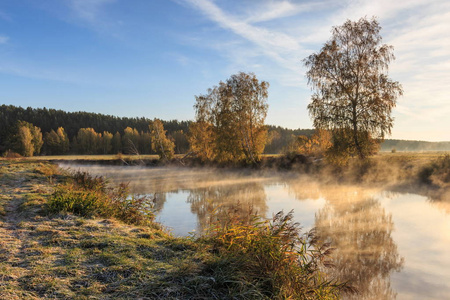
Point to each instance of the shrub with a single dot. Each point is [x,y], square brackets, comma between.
[86,181]
[132,209]
[438,172]
[11,154]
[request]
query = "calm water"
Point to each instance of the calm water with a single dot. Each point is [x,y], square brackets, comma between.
[392,245]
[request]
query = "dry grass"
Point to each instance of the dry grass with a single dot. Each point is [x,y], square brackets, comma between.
[418,157]
[272,259]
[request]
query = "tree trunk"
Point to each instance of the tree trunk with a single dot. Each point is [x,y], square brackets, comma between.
[355,133]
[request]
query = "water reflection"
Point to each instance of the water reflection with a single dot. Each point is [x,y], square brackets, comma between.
[361,231]
[240,199]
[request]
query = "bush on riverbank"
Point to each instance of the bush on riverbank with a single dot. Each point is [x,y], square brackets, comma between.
[437,172]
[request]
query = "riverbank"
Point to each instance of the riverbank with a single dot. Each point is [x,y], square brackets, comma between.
[50,251]
[423,172]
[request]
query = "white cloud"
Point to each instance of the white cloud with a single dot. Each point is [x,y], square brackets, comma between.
[273,43]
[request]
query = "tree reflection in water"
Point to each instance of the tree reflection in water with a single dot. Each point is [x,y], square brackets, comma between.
[219,201]
[360,230]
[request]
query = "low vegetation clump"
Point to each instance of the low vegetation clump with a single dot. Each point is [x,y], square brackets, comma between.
[271,259]
[11,154]
[437,172]
[89,196]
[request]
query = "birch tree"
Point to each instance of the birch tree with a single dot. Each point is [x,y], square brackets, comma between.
[353,95]
[233,115]
[162,145]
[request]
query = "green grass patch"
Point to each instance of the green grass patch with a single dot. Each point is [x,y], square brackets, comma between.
[89,196]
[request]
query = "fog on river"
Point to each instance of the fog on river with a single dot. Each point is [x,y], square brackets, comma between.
[390,245]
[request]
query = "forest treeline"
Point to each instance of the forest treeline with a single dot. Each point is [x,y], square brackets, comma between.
[93,133]
[406,145]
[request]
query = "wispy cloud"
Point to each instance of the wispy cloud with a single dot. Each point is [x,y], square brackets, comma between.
[96,15]
[4,39]
[272,43]
[181,59]
[89,10]
[272,10]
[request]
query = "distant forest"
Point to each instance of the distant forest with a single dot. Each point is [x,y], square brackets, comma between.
[121,130]
[77,125]
[405,145]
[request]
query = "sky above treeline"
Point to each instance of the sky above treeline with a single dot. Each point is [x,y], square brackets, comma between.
[149,58]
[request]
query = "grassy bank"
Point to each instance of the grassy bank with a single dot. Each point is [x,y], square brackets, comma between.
[68,236]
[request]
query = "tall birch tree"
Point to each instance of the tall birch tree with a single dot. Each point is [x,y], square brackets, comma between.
[353,95]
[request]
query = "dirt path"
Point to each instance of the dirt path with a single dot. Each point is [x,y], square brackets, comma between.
[14,240]
[11,239]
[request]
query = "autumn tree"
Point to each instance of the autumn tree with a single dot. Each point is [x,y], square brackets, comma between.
[316,145]
[201,140]
[130,140]
[63,140]
[353,95]
[106,142]
[88,141]
[38,142]
[56,142]
[162,145]
[230,119]
[26,139]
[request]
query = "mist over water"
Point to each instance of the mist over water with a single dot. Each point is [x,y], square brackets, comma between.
[390,245]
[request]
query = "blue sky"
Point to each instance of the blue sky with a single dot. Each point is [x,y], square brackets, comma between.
[149,58]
